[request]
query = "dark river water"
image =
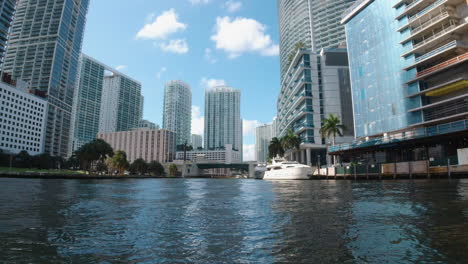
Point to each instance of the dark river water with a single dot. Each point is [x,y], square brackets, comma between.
[233,221]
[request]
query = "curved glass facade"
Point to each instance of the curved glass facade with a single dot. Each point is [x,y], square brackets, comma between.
[378,80]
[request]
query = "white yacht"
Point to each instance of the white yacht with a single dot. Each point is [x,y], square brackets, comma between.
[287,170]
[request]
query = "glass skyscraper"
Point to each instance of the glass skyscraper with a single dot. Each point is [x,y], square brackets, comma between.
[263,136]
[408,63]
[105,101]
[177,114]
[87,104]
[223,124]
[409,75]
[314,23]
[7,11]
[122,103]
[44,50]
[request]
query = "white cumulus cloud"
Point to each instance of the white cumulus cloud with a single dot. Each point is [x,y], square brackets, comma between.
[248,152]
[178,46]
[240,35]
[249,126]
[232,6]
[164,25]
[210,83]
[121,67]
[198,121]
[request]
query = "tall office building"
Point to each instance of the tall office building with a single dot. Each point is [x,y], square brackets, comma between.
[263,136]
[105,101]
[7,12]
[314,23]
[177,115]
[87,102]
[44,50]
[121,105]
[223,124]
[197,141]
[408,64]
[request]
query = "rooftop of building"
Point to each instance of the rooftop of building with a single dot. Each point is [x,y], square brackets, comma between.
[114,72]
[222,88]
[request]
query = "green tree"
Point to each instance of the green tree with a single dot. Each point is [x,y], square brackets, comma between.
[101,167]
[155,168]
[173,170]
[290,141]
[72,163]
[331,127]
[119,162]
[23,160]
[43,161]
[139,166]
[96,150]
[275,148]
[4,159]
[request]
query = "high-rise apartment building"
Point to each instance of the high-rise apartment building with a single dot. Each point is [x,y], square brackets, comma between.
[7,12]
[197,141]
[102,99]
[409,66]
[147,144]
[121,106]
[309,24]
[44,49]
[177,114]
[87,102]
[316,86]
[148,124]
[263,136]
[223,124]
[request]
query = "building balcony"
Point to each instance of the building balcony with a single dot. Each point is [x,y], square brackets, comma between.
[421,28]
[435,54]
[449,88]
[445,111]
[443,108]
[446,87]
[444,65]
[448,34]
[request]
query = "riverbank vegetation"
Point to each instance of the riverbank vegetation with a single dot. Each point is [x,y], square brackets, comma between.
[279,146]
[94,158]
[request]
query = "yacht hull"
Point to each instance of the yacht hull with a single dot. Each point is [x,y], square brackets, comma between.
[300,173]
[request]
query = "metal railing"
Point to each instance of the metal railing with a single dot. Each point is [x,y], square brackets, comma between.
[443,65]
[425,10]
[407,135]
[436,35]
[429,22]
[436,51]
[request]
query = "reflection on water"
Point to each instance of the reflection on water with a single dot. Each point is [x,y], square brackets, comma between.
[233,221]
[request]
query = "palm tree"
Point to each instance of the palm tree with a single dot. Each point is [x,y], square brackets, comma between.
[119,161]
[331,127]
[275,148]
[290,141]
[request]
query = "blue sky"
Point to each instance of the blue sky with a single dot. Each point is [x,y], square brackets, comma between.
[202,42]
